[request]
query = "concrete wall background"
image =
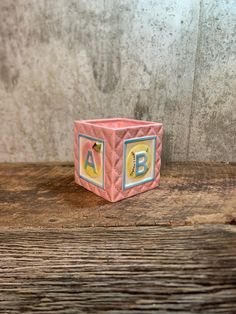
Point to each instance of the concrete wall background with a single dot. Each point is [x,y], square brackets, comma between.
[171,61]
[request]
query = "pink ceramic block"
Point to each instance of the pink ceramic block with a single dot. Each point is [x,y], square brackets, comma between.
[117,158]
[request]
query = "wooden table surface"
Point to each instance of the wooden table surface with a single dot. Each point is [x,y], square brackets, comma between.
[169,250]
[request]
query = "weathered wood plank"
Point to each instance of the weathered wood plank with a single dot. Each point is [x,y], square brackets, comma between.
[119,270]
[45,196]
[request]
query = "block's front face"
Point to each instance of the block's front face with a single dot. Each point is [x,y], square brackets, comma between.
[91,159]
[139,161]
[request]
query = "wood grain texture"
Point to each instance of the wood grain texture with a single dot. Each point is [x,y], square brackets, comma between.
[119,270]
[49,264]
[45,196]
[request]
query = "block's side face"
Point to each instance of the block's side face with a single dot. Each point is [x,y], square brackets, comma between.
[76,151]
[138,160]
[92,153]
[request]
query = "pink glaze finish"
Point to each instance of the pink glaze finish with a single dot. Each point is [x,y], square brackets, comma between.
[119,139]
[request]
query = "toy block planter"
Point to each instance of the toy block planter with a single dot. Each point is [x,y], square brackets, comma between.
[117,158]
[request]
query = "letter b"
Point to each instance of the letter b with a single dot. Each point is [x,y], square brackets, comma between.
[140,163]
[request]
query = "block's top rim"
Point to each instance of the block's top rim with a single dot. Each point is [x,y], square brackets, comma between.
[118,123]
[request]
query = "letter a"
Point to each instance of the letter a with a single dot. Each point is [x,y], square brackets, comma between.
[90,161]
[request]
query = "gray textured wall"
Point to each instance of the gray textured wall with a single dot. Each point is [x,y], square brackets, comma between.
[171,61]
